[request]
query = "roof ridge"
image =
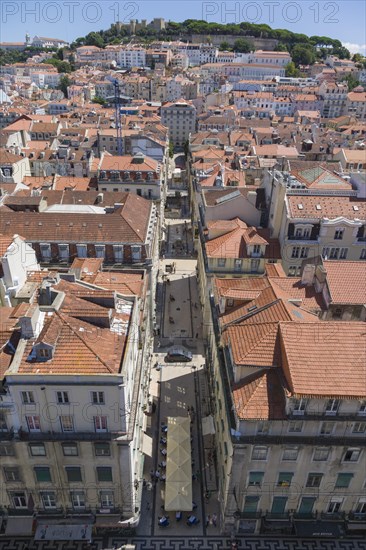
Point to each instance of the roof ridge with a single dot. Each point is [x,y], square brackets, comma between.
[259,340]
[64,320]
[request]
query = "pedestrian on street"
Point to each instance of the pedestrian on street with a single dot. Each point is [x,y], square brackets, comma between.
[208,520]
[214,519]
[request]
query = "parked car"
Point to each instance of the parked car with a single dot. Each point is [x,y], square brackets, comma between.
[178,355]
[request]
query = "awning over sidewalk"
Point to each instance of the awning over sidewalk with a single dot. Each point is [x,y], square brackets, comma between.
[54,531]
[208,427]
[19,525]
[321,529]
[147,445]
[178,486]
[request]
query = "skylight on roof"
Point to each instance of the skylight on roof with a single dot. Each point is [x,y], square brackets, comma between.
[318,207]
[355,208]
[300,206]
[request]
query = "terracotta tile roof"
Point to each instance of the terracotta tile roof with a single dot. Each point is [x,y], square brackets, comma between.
[346,281]
[254,344]
[330,207]
[80,348]
[261,397]
[125,283]
[5,242]
[275,270]
[8,158]
[267,309]
[325,359]
[127,224]
[86,266]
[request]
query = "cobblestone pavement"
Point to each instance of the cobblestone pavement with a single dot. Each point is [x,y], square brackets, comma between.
[194,543]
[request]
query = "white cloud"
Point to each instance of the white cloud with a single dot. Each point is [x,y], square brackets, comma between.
[355,48]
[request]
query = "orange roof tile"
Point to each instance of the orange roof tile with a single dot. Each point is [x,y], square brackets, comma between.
[325,359]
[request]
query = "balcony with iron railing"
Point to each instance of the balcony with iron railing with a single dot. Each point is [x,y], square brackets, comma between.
[332,516]
[69,436]
[248,515]
[357,517]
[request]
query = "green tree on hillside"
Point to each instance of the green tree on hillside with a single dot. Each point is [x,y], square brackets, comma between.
[303,54]
[243,46]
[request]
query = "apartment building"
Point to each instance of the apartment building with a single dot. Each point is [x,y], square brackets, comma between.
[71,442]
[136,174]
[118,227]
[290,443]
[180,118]
[314,213]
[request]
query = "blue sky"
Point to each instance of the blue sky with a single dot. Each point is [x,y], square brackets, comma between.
[68,19]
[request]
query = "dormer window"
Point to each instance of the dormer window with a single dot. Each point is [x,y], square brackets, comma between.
[332,406]
[299,406]
[114,175]
[44,353]
[338,235]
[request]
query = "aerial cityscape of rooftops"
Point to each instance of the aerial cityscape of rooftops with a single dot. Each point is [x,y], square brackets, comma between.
[182,289]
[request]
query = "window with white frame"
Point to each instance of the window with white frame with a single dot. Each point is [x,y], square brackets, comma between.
[335,505]
[99,251]
[259,453]
[295,252]
[221,262]
[33,423]
[359,427]
[254,266]
[304,252]
[118,253]
[97,397]
[333,254]
[290,453]
[100,423]
[321,454]
[352,454]
[67,423]
[62,397]
[332,406]
[45,251]
[81,250]
[361,506]
[27,397]
[48,499]
[295,426]
[363,254]
[343,253]
[314,480]
[12,473]
[70,449]
[237,264]
[136,253]
[106,499]
[37,449]
[255,479]
[325,252]
[63,251]
[327,428]
[362,410]
[299,406]
[263,428]
[338,234]
[19,499]
[77,499]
